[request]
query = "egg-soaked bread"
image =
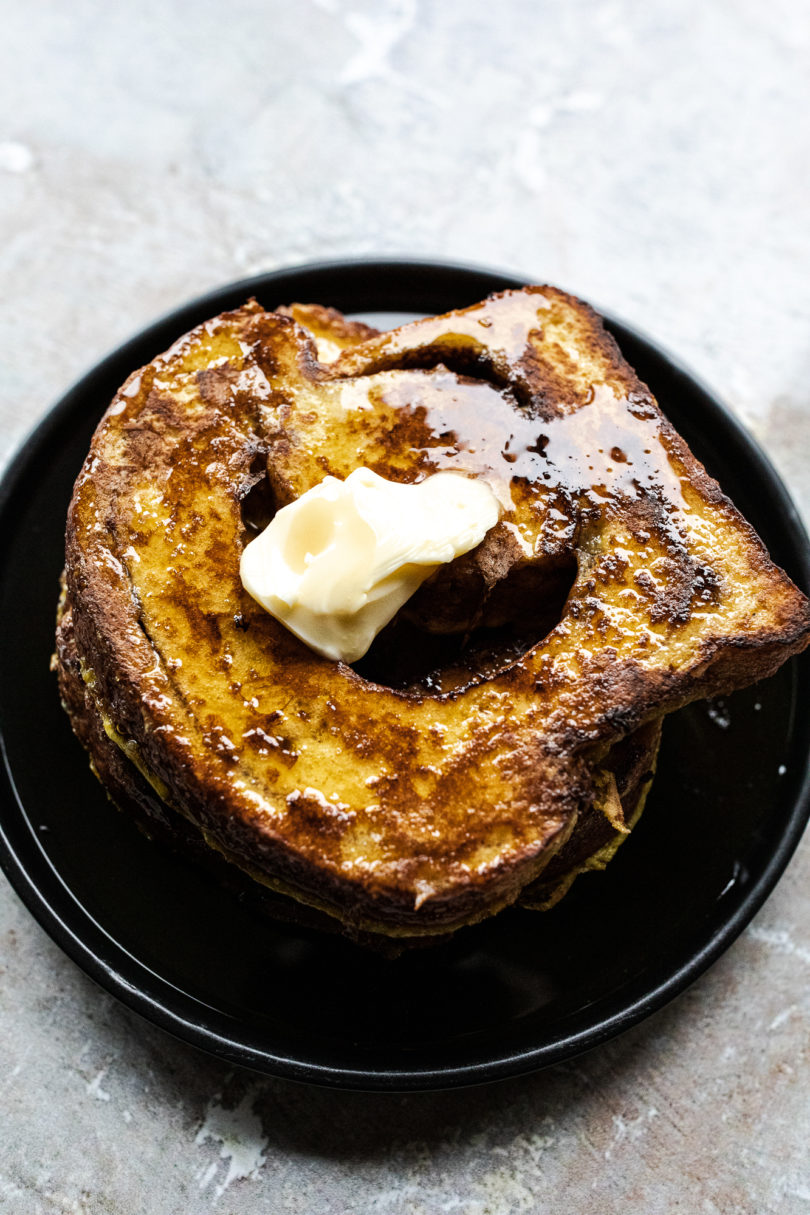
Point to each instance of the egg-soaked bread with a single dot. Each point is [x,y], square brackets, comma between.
[411,809]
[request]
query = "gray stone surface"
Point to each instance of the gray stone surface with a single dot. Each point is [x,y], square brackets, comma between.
[654,158]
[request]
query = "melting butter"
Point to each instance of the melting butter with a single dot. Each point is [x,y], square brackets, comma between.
[337,564]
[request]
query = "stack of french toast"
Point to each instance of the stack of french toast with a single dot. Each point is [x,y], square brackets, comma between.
[500,735]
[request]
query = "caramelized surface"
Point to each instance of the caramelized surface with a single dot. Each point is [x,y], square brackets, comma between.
[408,810]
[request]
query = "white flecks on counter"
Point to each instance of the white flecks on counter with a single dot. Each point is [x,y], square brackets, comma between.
[94,1088]
[780,940]
[15,157]
[242,1142]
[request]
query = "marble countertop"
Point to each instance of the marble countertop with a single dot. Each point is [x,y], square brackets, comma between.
[653,158]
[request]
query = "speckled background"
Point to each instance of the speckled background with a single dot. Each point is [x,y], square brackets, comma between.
[652,157]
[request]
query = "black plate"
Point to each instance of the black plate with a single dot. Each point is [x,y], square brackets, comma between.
[522,991]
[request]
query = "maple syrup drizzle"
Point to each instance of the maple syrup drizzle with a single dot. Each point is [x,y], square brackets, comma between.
[608,448]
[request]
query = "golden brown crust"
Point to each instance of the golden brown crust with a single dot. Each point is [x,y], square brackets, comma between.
[406,808]
[331,331]
[623,780]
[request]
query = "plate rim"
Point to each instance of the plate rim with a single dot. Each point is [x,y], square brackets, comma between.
[62,928]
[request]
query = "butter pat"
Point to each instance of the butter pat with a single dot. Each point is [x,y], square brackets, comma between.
[336,565]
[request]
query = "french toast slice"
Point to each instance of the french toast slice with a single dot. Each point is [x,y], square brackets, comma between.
[408,810]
